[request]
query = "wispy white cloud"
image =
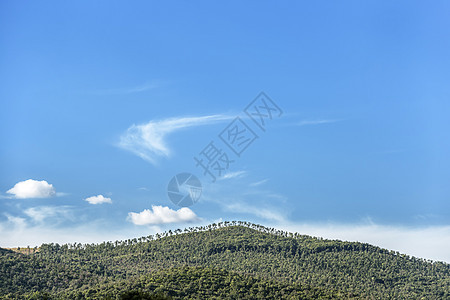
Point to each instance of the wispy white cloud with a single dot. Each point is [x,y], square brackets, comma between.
[230,175]
[258,183]
[141,88]
[318,122]
[242,196]
[391,151]
[15,222]
[148,141]
[32,189]
[129,90]
[270,214]
[40,213]
[426,217]
[99,199]
[162,215]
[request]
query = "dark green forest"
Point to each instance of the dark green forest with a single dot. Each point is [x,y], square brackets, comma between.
[229,260]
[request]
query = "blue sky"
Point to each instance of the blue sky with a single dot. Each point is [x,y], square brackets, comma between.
[359,153]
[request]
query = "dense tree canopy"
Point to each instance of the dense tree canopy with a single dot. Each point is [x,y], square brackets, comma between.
[229,259]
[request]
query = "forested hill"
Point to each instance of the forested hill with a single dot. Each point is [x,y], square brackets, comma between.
[236,260]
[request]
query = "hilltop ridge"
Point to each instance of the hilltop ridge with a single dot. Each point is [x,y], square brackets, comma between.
[264,257]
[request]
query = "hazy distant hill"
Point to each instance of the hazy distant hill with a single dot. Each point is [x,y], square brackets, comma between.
[236,260]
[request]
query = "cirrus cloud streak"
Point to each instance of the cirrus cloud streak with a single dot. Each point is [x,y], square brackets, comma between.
[148,141]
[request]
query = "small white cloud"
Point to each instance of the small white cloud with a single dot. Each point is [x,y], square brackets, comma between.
[99,199]
[32,189]
[148,141]
[162,215]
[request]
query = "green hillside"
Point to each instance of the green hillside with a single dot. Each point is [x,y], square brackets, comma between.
[236,260]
